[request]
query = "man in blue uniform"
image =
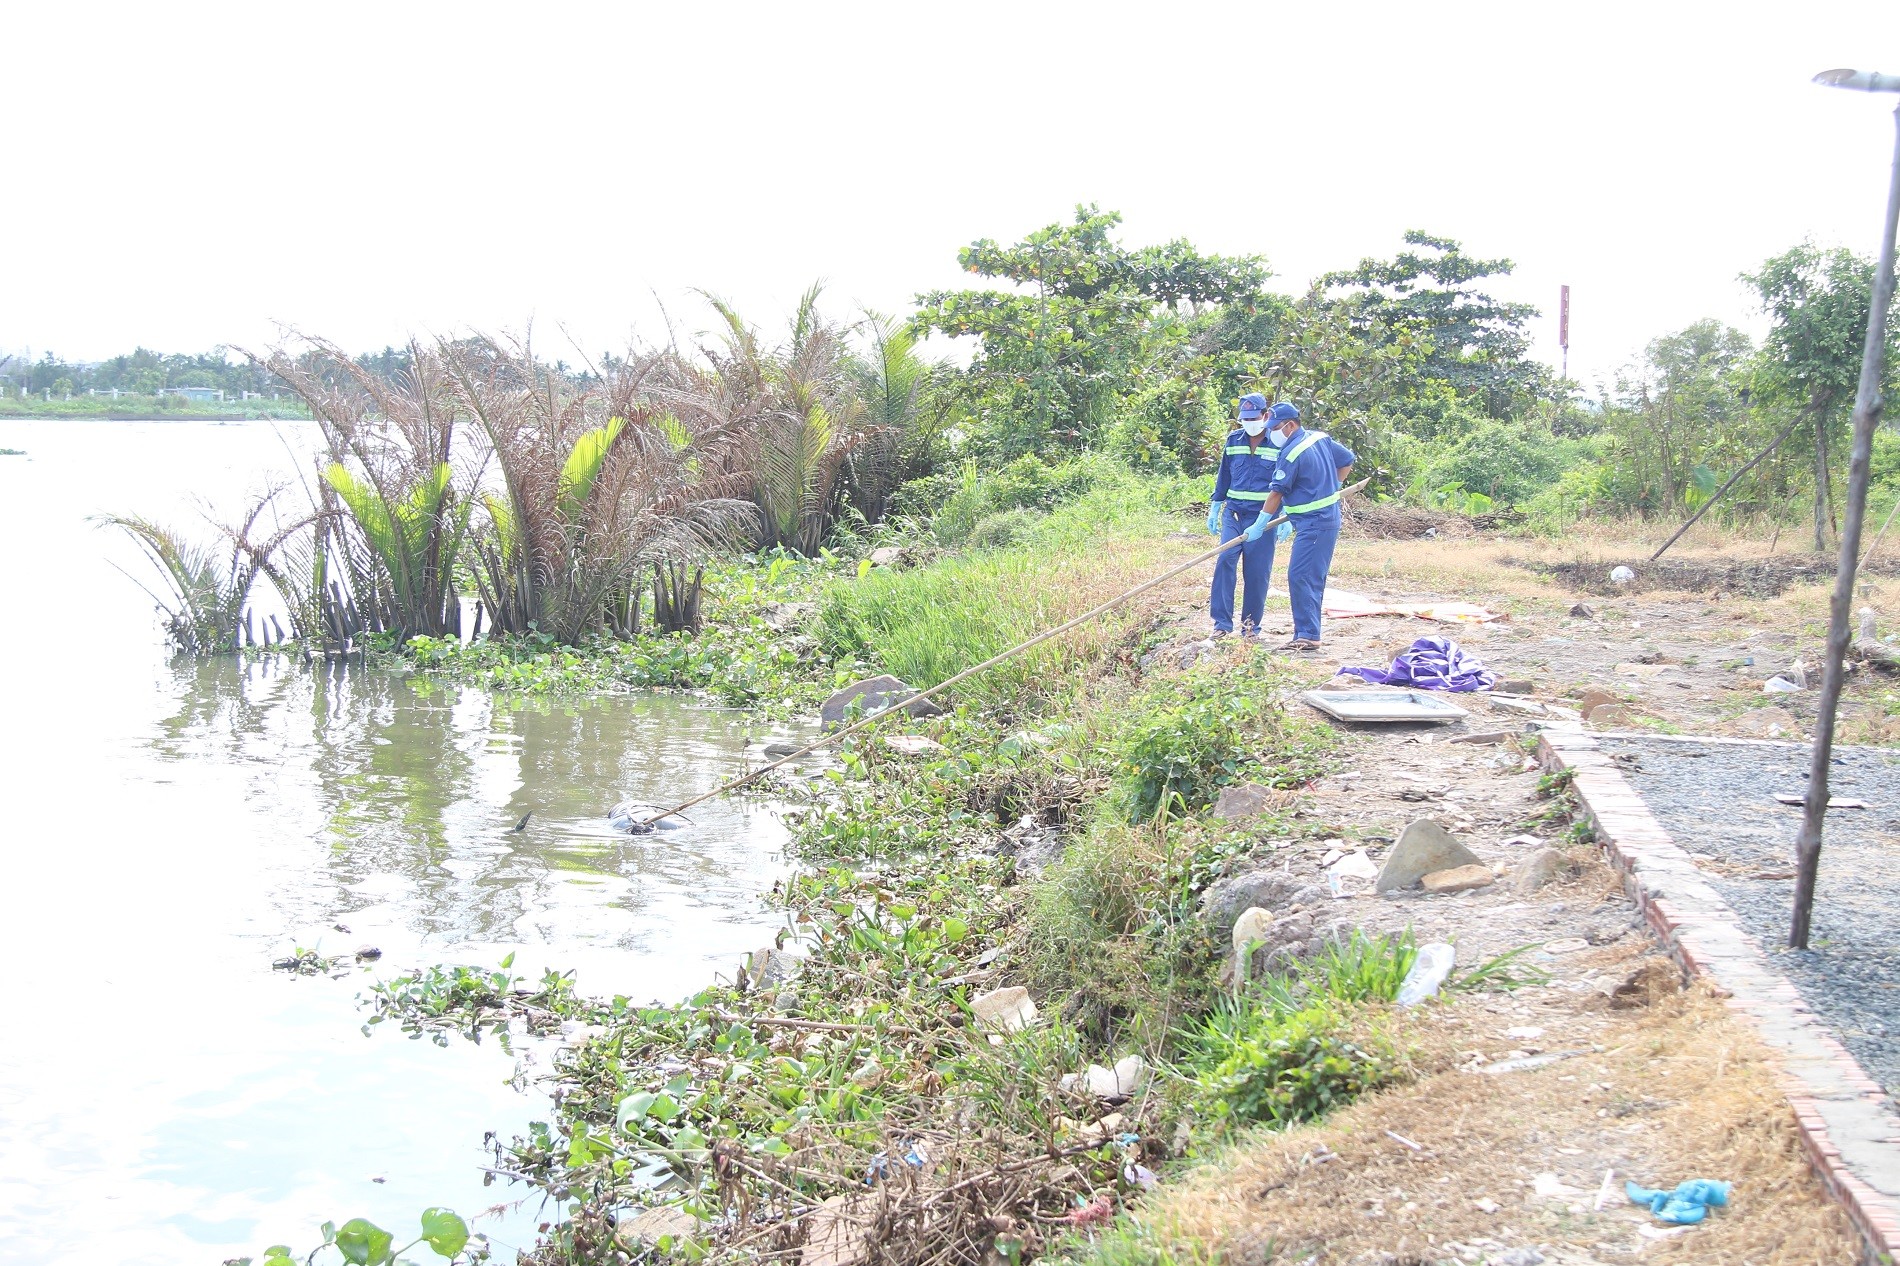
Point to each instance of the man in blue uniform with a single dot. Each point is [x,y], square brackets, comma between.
[1240,489]
[1306,480]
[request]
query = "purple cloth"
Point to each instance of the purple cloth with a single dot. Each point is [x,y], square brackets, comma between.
[1431,663]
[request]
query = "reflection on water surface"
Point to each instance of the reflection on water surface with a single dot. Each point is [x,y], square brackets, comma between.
[174,825]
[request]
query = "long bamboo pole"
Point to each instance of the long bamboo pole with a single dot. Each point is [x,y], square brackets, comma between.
[972,671]
[1720,492]
[1866,418]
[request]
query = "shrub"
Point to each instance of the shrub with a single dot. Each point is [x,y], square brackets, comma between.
[1284,1068]
[1508,462]
[1006,527]
[1206,730]
[1299,1048]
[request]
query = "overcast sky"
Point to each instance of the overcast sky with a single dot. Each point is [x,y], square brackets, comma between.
[184,175]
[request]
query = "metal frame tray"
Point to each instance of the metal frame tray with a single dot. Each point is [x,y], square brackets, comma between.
[1385,705]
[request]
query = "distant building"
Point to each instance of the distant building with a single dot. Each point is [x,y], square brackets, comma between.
[203,395]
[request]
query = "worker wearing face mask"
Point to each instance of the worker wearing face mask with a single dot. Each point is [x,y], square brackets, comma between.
[1306,479]
[1240,490]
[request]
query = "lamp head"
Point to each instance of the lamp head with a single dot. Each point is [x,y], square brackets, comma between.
[1859,80]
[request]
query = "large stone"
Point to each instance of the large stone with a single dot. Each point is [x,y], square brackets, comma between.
[1247,800]
[1458,879]
[887,556]
[1539,869]
[1224,900]
[770,967]
[873,695]
[1264,944]
[1423,847]
[1595,699]
[1608,714]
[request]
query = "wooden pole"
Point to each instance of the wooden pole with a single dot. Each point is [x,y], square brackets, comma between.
[972,671]
[1882,533]
[1866,418]
[1723,490]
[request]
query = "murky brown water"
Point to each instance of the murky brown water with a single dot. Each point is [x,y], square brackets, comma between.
[171,826]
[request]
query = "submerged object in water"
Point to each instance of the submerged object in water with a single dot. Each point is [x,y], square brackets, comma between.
[636,817]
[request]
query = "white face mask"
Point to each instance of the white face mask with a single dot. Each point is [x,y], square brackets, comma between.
[1276,439]
[1254,426]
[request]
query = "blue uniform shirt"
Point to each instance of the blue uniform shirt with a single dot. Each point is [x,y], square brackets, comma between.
[1311,478]
[1244,474]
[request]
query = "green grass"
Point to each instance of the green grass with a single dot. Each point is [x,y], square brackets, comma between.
[928,624]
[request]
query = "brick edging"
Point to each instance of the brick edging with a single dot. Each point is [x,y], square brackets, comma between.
[1849,1126]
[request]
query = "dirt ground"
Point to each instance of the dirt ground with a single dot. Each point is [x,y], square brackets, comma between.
[1668,1086]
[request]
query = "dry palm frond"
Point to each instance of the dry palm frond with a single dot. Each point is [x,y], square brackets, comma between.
[801,408]
[599,482]
[394,514]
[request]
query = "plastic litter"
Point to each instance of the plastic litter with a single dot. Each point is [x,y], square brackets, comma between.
[1621,575]
[1779,686]
[1429,970]
[1341,604]
[914,1156]
[1688,1204]
[1431,663]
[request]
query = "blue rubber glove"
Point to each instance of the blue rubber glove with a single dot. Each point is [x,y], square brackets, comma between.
[1284,532]
[1687,1205]
[1214,509]
[1256,529]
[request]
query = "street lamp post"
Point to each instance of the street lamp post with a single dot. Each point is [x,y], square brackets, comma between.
[1867,405]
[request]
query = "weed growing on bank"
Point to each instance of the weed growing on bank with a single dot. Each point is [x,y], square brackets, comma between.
[752,652]
[841,1082]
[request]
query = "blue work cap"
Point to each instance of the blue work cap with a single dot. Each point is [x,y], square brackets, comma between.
[1252,405]
[1282,412]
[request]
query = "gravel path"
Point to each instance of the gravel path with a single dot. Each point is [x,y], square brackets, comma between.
[1718,801]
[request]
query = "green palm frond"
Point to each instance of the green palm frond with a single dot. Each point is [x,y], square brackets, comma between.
[582,469]
[205,591]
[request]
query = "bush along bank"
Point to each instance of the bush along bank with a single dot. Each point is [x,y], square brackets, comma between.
[781,631]
[997,1011]
[752,651]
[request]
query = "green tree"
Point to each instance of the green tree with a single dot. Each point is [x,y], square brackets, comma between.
[1468,339]
[1819,302]
[1679,419]
[1089,327]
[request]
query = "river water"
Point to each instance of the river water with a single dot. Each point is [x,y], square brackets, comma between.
[171,827]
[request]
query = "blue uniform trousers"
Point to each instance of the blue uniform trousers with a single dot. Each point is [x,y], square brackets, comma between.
[1254,561]
[1314,536]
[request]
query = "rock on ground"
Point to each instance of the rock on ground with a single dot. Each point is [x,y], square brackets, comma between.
[1225,899]
[1247,800]
[1539,869]
[1265,944]
[1766,723]
[1458,879]
[877,694]
[1423,847]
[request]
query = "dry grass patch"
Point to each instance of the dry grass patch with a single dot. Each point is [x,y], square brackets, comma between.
[1678,1090]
